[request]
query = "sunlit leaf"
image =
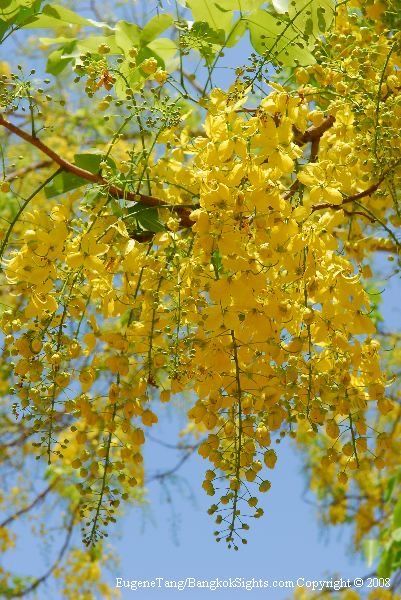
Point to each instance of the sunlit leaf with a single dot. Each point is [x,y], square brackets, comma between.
[281,43]
[370,550]
[155,27]
[210,13]
[127,35]
[166,49]
[54,17]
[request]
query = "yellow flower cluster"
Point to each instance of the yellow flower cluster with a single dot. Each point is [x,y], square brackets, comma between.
[253,308]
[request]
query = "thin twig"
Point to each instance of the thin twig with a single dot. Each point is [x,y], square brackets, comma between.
[26,509]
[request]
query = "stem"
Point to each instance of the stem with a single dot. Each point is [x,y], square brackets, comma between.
[92,536]
[22,208]
[114,191]
[238,441]
[353,440]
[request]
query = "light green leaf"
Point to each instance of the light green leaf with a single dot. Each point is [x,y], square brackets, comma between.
[396,535]
[54,16]
[47,41]
[204,32]
[208,11]
[57,61]
[280,42]
[237,32]
[65,14]
[129,77]
[154,27]
[127,35]
[312,17]
[243,6]
[370,550]
[165,49]
[92,43]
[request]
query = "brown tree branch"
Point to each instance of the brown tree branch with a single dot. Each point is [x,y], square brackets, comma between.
[114,191]
[313,133]
[26,509]
[368,192]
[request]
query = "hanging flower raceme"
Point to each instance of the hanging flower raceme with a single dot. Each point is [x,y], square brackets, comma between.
[253,308]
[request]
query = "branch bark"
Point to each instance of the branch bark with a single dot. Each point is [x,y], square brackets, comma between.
[114,191]
[368,192]
[313,133]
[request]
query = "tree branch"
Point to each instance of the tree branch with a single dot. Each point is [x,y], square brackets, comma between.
[114,191]
[313,133]
[63,550]
[165,474]
[41,164]
[368,192]
[26,509]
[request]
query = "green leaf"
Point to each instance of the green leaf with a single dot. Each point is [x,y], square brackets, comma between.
[203,30]
[127,35]
[66,182]
[396,535]
[90,161]
[165,49]
[65,14]
[217,262]
[370,550]
[4,26]
[57,61]
[147,217]
[242,6]
[386,562]
[279,41]
[92,43]
[133,78]
[236,33]
[390,487]
[206,40]
[62,183]
[154,27]
[321,19]
[11,11]
[16,12]
[397,514]
[208,11]
[54,17]
[52,41]
[311,17]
